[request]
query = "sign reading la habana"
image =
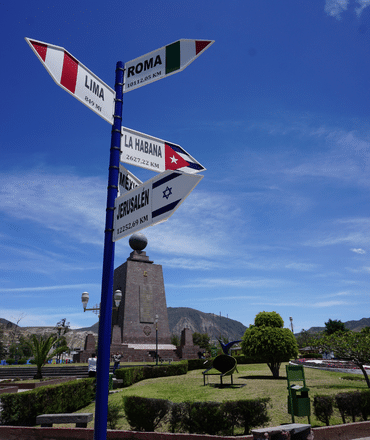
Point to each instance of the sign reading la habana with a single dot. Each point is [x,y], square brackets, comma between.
[155,154]
[162,62]
[76,79]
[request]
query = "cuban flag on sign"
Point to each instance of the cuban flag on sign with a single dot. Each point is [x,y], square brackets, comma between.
[169,191]
[178,159]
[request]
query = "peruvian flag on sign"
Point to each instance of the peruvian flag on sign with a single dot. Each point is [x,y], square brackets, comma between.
[75,78]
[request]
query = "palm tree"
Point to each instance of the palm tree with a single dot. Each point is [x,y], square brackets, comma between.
[42,350]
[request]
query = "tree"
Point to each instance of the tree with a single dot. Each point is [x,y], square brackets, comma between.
[201,340]
[334,326]
[41,348]
[62,328]
[267,341]
[175,340]
[303,338]
[354,346]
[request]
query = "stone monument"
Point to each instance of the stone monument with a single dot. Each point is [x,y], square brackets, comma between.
[141,322]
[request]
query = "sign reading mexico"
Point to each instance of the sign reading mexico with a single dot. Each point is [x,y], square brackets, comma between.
[162,62]
[152,202]
[75,78]
[155,154]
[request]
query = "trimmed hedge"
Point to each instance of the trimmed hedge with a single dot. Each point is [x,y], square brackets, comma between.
[323,408]
[349,404]
[21,409]
[145,414]
[211,418]
[352,405]
[199,364]
[132,375]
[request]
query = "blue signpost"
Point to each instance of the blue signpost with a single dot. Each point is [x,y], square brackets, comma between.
[84,85]
[105,321]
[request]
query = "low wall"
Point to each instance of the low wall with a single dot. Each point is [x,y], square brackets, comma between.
[23,433]
[349,431]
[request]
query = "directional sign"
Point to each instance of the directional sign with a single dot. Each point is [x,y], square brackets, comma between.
[162,62]
[155,154]
[75,78]
[152,202]
[126,181]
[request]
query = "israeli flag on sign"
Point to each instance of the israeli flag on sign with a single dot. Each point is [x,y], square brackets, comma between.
[170,191]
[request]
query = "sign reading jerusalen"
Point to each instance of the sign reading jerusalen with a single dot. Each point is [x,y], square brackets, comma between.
[162,62]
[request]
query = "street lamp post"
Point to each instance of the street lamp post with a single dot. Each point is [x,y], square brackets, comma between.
[156,339]
[96,309]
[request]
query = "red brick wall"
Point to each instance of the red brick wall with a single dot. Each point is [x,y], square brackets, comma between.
[340,432]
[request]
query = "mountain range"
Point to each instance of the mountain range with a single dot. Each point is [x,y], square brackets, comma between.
[355,326]
[215,326]
[184,317]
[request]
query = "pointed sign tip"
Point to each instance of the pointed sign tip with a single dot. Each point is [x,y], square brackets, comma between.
[201,45]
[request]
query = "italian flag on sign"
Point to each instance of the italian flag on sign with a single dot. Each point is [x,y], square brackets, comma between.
[181,53]
[162,62]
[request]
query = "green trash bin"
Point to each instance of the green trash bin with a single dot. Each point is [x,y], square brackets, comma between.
[300,401]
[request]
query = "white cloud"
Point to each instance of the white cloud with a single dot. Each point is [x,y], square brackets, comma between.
[231,283]
[47,288]
[61,202]
[334,8]
[358,251]
[363,4]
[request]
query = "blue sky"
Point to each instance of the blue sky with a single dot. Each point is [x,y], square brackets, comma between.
[277,110]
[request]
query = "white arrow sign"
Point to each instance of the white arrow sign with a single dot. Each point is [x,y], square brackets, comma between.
[155,154]
[75,78]
[152,202]
[126,181]
[162,62]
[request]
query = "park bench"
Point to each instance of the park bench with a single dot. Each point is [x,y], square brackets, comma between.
[169,360]
[81,419]
[297,431]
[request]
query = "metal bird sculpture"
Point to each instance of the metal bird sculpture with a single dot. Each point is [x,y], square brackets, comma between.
[226,347]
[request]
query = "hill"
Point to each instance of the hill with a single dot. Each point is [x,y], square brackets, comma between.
[200,322]
[351,325]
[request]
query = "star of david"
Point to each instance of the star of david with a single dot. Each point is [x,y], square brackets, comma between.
[167,192]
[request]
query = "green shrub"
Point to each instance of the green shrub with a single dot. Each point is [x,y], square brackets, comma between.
[242,359]
[253,413]
[145,414]
[10,361]
[130,375]
[113,414]
[211,418]
[231,416]
[365,404]
[199,364]
[323,408]
[312,356]
[21,409]
[135,374]
[203,418]
[22,361]
[349,404]
[176,417]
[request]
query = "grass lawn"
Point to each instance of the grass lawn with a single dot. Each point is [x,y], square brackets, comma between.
[252,381]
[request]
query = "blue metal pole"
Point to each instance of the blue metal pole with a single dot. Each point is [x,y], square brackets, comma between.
[105,321]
